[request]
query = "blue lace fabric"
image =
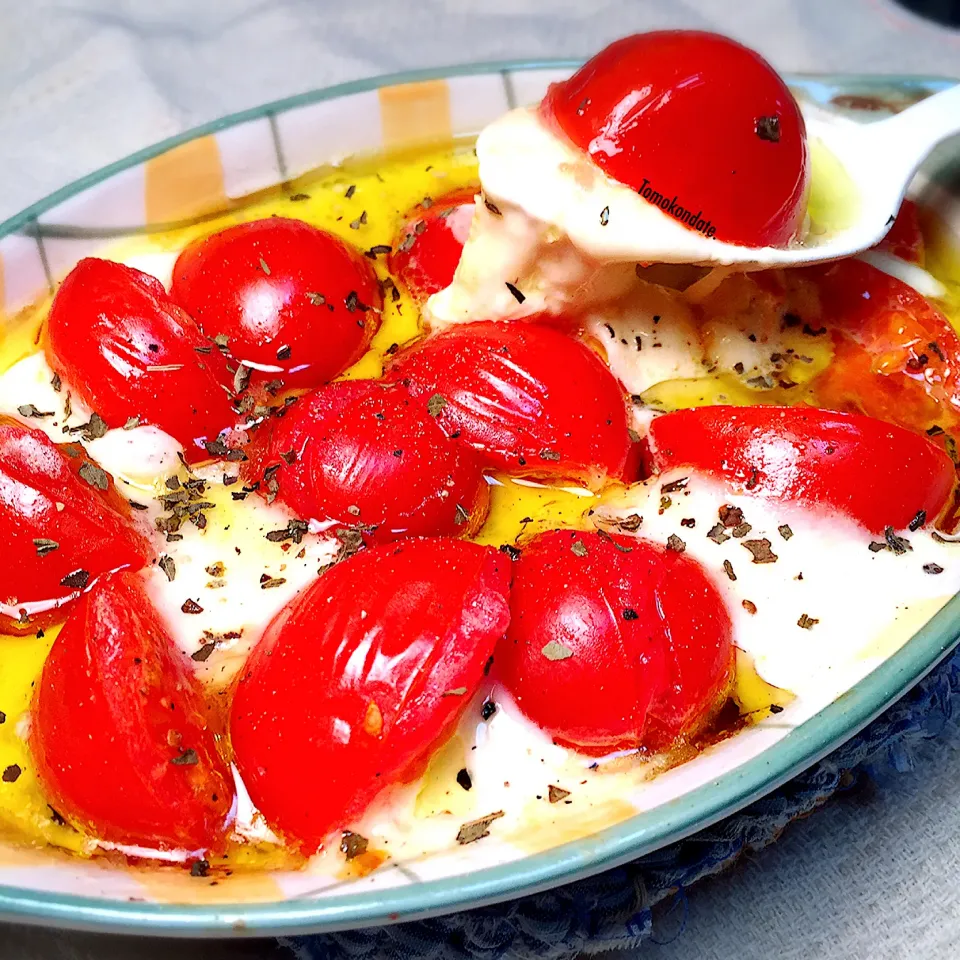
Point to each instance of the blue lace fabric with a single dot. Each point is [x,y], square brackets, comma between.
[614,910]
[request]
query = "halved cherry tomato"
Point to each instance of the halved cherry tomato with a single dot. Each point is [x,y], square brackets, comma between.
[700,120]
[905,238]
[127,350]
[358,678]
[896,357]
[614,642]
[878,474]
[121,732]
[427,250]
[287,296]
[62,525]
[284,442]
[532,400]
[362,453]
[699,652]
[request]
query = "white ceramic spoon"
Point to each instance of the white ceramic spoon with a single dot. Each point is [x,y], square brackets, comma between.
[879,159]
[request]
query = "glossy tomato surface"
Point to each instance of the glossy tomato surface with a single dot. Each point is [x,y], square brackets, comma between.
[121,732]
[905,238]
[127,350]
[699,119]
[361,676]
[878,474]
[614,642]
[427,250]
[286,295]
[699,652]
[896,356]
[62,525]
[361,453]
[533,401]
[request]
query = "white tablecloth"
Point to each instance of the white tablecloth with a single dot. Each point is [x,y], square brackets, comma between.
[83,82]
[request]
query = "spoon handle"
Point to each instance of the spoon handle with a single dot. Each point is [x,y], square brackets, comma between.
[904,141]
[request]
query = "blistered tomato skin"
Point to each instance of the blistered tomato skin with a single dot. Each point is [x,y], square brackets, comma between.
[363,454]
[286,295]
[426,252]
[58,530]
[615,643]
[700,120]
[896,357]
[361,676]
[121,732]
[126,349]
[878,474]
[532,400]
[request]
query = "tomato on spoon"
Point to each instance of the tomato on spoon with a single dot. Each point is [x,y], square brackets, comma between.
[127,350]
[532,400]
[294,301]
[614,642]
[122,734]
[62,525]
[878,474]
[358,678]
[359,452]
[427,250]
[697,118]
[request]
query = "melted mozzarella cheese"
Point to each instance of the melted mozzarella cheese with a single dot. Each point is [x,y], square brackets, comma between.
[865,603]
[237,578]
[813,622]
[648,337]
[564,234]
[138,455]
[561,257]
[235,606]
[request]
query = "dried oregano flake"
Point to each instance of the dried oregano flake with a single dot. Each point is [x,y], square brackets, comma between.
[554,650]
[477,829]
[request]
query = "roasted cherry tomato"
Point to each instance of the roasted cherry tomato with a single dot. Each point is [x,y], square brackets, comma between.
[896,357]
[878,474]
[121,732]
[699,652]
[286,440]
[534,401]
[368,455]
[288,297]
[359,677]
[62,525]
[127,350]
[427,251]
[615,642]
[905,238]
[698,120]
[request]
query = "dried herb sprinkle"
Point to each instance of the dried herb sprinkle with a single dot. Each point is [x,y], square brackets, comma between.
[474,830]
[517,295]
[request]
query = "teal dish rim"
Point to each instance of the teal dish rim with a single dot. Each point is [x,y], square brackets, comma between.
[608,848]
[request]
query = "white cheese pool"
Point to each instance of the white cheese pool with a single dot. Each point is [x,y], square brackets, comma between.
[820,617]
[858,607]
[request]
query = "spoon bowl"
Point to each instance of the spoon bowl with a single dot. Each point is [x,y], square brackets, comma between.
[878,160]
